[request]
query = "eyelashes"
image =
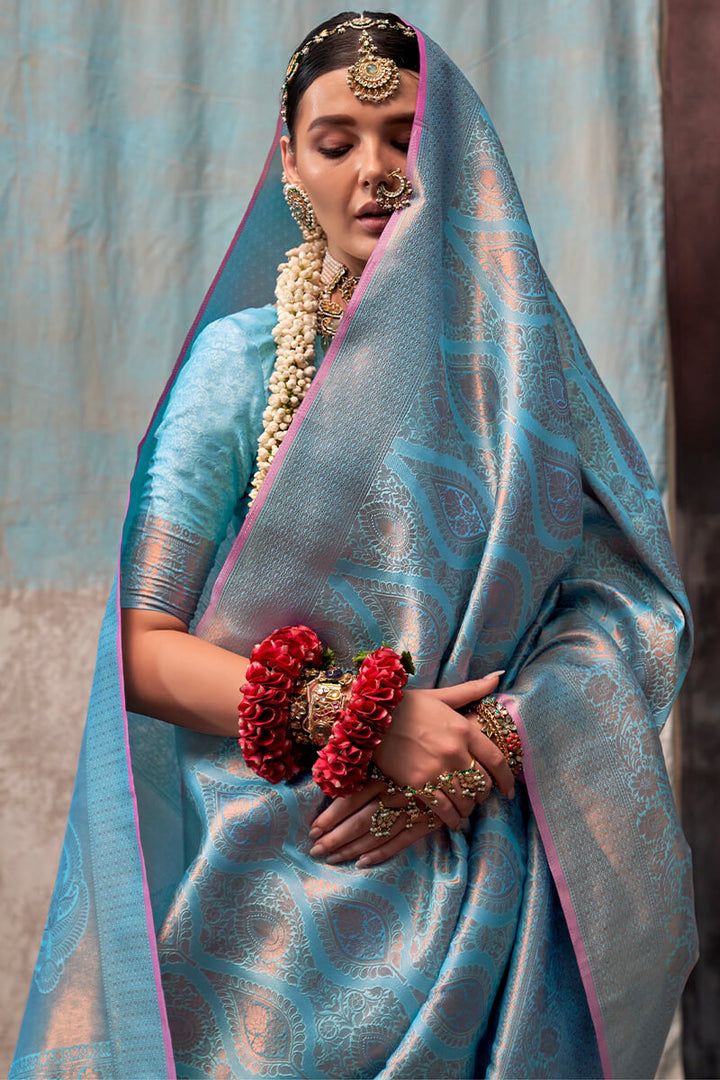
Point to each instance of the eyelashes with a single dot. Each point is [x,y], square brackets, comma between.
[334,152]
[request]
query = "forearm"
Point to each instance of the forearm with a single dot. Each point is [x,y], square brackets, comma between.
[179,678]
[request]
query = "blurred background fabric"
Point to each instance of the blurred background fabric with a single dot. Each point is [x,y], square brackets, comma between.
[132,134]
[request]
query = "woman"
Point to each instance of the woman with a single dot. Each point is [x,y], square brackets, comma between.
[455,481]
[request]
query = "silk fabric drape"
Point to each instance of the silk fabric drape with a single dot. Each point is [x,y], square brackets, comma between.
[525,531]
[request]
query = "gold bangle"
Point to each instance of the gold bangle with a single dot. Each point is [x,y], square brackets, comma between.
[317,705]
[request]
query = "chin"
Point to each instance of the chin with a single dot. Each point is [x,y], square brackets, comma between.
[363,251]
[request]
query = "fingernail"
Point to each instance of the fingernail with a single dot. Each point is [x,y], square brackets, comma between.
[332,859]
[316,849]
[315,832]
[363,861]
[495,673]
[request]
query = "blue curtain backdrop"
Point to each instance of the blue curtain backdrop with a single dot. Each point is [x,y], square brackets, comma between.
[131,136]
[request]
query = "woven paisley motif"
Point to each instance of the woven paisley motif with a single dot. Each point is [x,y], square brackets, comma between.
[192,1023]
[391,529]
[497,872]
[253,919]
[68,917]
[412,618]
[512,266]
[487,187]
[477,391]
[268,1030]
[362,934]
[563,491]
[176,933]
[245,820]
[464,997]
[457,505]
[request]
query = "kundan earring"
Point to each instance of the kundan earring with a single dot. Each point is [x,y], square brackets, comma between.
[300,207]
[395,198]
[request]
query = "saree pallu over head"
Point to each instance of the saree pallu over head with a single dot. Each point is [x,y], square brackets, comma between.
[458,483]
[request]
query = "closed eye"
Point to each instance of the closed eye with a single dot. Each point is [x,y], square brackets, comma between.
[333,151]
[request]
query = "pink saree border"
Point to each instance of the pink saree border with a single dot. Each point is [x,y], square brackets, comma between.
[150,922]
[562,888]
[247,525]
[323,371]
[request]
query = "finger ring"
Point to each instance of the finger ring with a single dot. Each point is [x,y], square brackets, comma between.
[383,819]
[473,781]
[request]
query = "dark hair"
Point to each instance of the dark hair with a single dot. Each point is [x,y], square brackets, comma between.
[341,50]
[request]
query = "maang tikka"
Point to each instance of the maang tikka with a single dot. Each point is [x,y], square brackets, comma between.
[372,77]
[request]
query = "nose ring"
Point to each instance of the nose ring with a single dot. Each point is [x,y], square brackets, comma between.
[395,198]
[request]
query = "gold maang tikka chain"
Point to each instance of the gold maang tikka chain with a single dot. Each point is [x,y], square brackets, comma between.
[374,78]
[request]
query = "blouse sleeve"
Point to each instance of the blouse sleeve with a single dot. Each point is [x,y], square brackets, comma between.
[200,466]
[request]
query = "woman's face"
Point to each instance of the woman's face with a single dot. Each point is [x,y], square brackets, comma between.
[343,148]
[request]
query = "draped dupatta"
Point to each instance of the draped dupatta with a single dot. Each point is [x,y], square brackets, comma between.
[456,482]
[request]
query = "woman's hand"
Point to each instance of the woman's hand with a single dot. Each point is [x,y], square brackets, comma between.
[342,831]
[427,737]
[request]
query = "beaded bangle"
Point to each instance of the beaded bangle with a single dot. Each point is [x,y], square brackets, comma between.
[275,667]
[499,726]
[342,765]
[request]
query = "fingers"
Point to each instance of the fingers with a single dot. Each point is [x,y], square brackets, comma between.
[356,841]
[340,809]
[348,822]
[392,846]
[449,813]
[491,757]
[464,693]
[353,826]
[454,803]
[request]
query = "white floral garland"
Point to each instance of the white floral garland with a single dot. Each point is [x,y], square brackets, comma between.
[298,290]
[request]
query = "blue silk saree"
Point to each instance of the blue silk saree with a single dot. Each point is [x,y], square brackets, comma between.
[457,482]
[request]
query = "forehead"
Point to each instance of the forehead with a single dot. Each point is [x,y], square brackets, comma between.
[330,95]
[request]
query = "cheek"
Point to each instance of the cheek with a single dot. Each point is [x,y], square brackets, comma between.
[326,196]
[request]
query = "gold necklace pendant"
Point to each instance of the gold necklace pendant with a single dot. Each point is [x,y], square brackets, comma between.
[329,312]
[372,77]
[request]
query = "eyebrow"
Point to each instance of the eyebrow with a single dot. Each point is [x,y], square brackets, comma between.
[343,120]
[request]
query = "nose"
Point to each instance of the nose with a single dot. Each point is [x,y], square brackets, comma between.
[374,165]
